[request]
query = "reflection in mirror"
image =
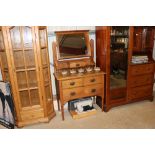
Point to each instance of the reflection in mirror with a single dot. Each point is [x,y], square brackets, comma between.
[72,45]
[119,57]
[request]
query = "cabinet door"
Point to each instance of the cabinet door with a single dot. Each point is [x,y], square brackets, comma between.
[3,58]
[45,67]
[24,64]
[148,38]
[137,39]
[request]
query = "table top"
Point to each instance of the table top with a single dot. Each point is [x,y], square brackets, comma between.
[59,76]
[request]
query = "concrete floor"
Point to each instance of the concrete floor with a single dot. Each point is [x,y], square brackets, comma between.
[137,115]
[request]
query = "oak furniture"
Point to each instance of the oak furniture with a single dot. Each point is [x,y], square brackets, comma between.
[25,64]
[78,85]
[141,76]
[125,82]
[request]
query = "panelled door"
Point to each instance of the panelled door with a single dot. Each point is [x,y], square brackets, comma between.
[22,47]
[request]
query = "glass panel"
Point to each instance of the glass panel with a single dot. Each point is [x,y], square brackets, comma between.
[1,41]
[29,59]
[27,37]
[42,36]
[48,94]
[46,76]
[4,60]
[15,37]
[44,56]
[6,76]
[24,98]
[32,79]
[21,80]
[34,97]
[118,60]
[18,60]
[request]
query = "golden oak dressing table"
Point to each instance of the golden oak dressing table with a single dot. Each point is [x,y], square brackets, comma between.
[74,68]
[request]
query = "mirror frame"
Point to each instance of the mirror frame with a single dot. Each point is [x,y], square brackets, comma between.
[86,35]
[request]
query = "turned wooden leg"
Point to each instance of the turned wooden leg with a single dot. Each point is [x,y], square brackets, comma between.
[62,112]
[58,104]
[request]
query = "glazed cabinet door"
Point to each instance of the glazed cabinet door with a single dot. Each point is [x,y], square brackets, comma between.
[43,56]
[148,38]
[22,48]
[137,39]
[3,58]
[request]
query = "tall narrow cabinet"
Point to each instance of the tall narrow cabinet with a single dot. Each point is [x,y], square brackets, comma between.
[25,63]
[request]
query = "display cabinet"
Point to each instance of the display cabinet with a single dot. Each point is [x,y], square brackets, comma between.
[25,50]
[143,39]
[120,51]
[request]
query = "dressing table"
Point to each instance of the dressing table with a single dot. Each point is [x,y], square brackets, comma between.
[74,69]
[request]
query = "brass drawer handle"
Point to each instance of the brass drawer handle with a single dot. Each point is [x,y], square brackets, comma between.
[93,90]
[92,80]
[72,83]
[72,94]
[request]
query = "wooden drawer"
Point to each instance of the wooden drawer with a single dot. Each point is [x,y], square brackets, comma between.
[72,83]
[77,64]
[70,94]
[31,114]
[141,80]
[93,80]
[142,69]
[93,90]
[140,92]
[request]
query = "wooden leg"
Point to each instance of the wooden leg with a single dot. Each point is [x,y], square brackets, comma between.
[102,103]
[58,104]
[62,112]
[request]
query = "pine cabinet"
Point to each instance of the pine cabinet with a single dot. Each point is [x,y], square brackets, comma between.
[25,63]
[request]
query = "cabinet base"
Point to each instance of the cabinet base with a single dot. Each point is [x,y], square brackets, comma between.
[108,107]
[21,124]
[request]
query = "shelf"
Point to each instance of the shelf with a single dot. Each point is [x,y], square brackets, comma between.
[6,70]
[45,66]
[118,43]
[32,68]
[30,88]
[43,47]
[121,36]
[75,115]
[24,49]
[2,50]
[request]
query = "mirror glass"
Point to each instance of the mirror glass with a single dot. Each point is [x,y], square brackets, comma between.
[119,60]
[72,45]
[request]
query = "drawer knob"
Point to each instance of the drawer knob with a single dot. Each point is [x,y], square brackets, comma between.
[72,83]
[72,93]
[92,80]
[93,90]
